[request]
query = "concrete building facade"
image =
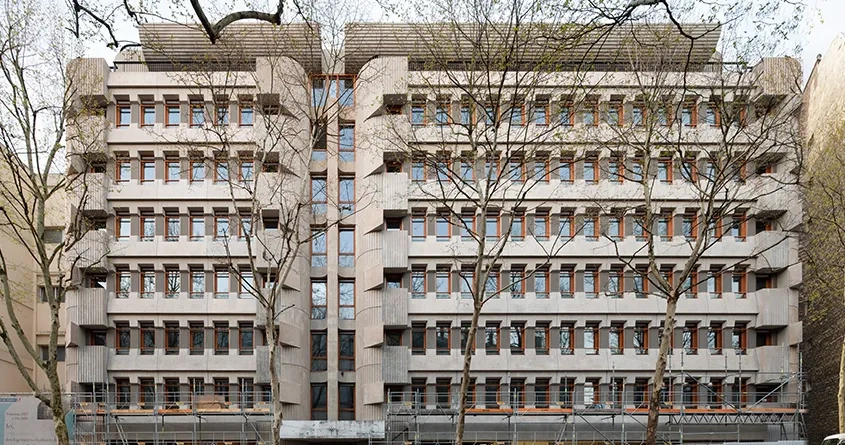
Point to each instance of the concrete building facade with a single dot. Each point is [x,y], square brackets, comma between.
[371,342]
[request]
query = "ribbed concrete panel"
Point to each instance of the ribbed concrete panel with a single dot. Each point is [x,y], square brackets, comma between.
[774,308]
[778,76]
[368,376]
[774,251]
[395,190]
[91,250]
[395,307]
[773,359]
[376,78]
[167,43]
[455,42]
[92,364]
[395,364]
[87,307]
[369,193]
[395,249]
[87,134]
[89,193]
[87,81]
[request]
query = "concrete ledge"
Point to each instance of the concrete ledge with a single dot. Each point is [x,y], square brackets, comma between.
[331,429]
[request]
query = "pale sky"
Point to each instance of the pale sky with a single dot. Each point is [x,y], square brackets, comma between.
[824,19]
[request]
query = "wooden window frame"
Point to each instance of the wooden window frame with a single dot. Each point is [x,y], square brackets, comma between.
[318,232]
[415,328]
[520,235]
[221,387]
[317,306]
[170,327]
[118,233]
[643,328]
[416,274]
[192,108]
[519,348]
[418,104]
[544,220]
[497,220]
[594,329]
[717,283]
[570,273]
[596,229]
[194,163]
[741,225]
[144,219]
[144,162]
[443,106]
[340,357]
[494,350]
[219,275]
[693,107]
[218,163]
[445,218]
[742,274]
[346,306]
[594,273]
[667,162]
[567,165]
[340,148]
[319,367]
[243,327]
[439,328]
[689,163]
[570,348]
[639,106]
[594,162]
[567,116]
[221,327]
[118,113]
[241,107]
[120,328]
[619,329]
[350,412]
[145,327]
[167,164]
[543,105]
[591,106]
[194,328]
[542,276]
[668,218]
[570,218]
[546,330]
[145,292]
[520,107]
[437,276]
[170,106]
[619,275]
[693,333]
[620,113]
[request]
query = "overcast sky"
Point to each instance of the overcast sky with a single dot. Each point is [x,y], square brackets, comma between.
[824,20]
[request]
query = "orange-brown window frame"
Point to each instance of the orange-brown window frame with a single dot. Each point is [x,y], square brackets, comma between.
[143,109]
[118,109]
[668,164]
[119,347]
[167,108]
[245,326]
[620,331]
[241,107]
[415,349]
[170,327]
[446,328]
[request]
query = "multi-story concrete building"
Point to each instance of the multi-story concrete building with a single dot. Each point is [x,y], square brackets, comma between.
[161,330]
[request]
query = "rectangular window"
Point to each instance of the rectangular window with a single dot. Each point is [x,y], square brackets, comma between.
[566,283]
[173,283]
[346,140]
[689,115]
[638,117]
[221,338]
[123,393]
[541,339]
[346,298]
[616,339]
[418,112]
[346,403]
[123,228]
[148,284]
[173,115]
[221,283]
[566,392]
[591,339]
[197,333]
[739,339]
[346,247]
[664,227]
[246,338]
[567,339]
[714,338]
[466,113]
[566,170]
[246,115]
[516,335]
[517,232]
[418,170]
[418,227]
[318,300]
[171,338]
[738,283]
[319,256]
[491,285]
[541,284]
[319,356]
[491,227]
[123,170]
[148,338]
[148,228]
[615,283]
[146,393]
[641,338]
[319,196]
[221,388]
[197,115]
[443,283]
[467,227]
[442,338]
[541,114]
[541,226]
[615,170]
[714,284]
[517,114]
[664,170]
[465,326]
[148,170]
[442,227]
[319,401]
[124,115]
[567,226]
[441,112]
[148,115]
[172,170]
[517,287]
[346,351]
[591,170]
[466,170]
[690,339]
[615,114]
[197,228]
[738,227]
[591,228]
[567,117]
[491,393]
[591,283]
[122,338]
[221,116]
[197,284]
[418,284]
[418,338]
[616,228]
[491,338]
[197,170]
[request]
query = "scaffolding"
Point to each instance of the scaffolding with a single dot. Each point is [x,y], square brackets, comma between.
[170,418]
[618,415]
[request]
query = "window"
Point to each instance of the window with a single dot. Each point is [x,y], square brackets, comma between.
[466,113]
[346,247]
[467,227]
[197,115]
[346,297]
[172,170]
[566,170]
[516,286]
[541,339]
[517,232]
[566,280]
[664,115]
[221,116]
[689,114]
[638,117]
[418,284]
[738,283]
[442,338]
[591,283]
[636,170]
[124,283]
[466,170]
[491,286]
[221,338]
[393,338]
[441,112]
[691,285]
[197,228]
[616,339]
[517,114]
[318,247]
[221,388]
[318,196]
[591,228]
[566,392]
[591,114]
[122,338]
[541,226]
[516,335]
[246,169]
[516,393]
[516,170]
[418,170]
[124,115]
[418,338]
[591,339]
[615,170]
[712,115]
[491,338]
[318,300]
[246,115]
[418,112]
[664,226]
[591,397]
[146,393]
[148,115]
[346,404]
[173,283]
[123,170]
[346,139]
[197,170]
[418,227]
[491,169]
[221,283]
[739,338]
[641,338]
[319,401]
[541,113]
[714,338]
[196,330]
[591,170]
[714,284]
[346,351]
[173,115]
[123,393]
[690,226]
[689,169]
[567,339]
[567,226]
[171,338]
[442,227]
[246,338]
[319,356]
[690,339]
[442,391]
[615,283]
[442,283]
[641,283]
[418,392]
[664,170]
[442,168]
[148,228]
[148,283]
[148,338]
[491,227]
[567,117]
[197,284]
[738,227]
[491,393]
[615,114]
[465,327]
[541,283]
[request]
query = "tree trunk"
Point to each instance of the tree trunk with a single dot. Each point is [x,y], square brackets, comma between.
[462,396]
[272,342]
[660,370]
[56,406]
[841,396]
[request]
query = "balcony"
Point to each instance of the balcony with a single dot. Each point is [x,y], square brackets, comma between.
[394,190]
[90,363]
[87,135]
[87,308]
[395,360]
[91,250]
[90,193]
[774,248]
[286,299]
[772,359]
[395,307]
[774,308]
[89,77]
[394,250]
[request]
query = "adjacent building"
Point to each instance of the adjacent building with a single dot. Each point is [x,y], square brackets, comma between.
[164,338]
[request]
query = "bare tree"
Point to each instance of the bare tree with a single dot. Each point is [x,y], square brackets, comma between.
[40,95]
